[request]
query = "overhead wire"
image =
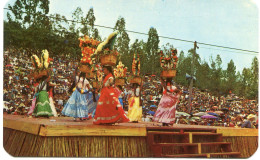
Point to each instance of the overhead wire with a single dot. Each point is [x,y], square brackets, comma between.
[165,37]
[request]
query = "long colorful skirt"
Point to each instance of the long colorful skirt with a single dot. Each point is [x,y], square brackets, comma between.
[32,107]
[121,101]
[91,104]
[54,112]
[109,109]
[166,109]
[76,106]
[134,110]
[43,107]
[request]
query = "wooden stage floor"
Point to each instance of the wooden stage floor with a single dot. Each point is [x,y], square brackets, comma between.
[65,126]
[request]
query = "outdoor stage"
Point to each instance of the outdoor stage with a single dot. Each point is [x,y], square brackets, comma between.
[62,137]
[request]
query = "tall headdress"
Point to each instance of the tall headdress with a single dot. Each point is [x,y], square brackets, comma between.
[105,52]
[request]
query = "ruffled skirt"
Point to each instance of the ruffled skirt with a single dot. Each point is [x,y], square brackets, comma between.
[135,110]
[91,104]
[109,109]
[76,106]
[166,109]
[42,107]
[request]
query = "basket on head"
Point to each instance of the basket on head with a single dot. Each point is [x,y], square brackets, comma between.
[168,73]
[40,74]
[136,80]
[119,81]
[108,59]
[84,68]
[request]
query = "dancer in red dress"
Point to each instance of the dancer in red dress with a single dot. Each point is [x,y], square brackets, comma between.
[109,110]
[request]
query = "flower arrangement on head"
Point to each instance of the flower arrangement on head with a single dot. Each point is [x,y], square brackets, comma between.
[169,63]
[88,47]
[136,70]
[41,65]
[120,73]
[105,52]
[120,70]
[136,65]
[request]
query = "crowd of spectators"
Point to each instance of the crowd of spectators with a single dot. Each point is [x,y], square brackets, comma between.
[18,91]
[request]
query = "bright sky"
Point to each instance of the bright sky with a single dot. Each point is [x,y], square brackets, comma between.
[232,23]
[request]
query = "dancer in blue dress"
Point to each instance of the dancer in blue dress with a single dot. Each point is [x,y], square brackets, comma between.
[77,104]
[92,99]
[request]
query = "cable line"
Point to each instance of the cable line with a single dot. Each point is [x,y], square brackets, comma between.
[165,37]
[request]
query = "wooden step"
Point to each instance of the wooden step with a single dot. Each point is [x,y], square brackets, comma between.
[205,137]
[185,129]
[165,133]
[191,148]
[215,143]
[154,137]
[185,133]
[230,154]
[204,133]
[193,144]
[186,156]
[176,144]
[203,155]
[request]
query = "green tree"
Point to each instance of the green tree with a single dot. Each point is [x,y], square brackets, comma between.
[152,51]
[122,41]
[231,77]
[253,87]
[32,15]
[180,75]
[88,24]
[77,16]
[203,76]
[216,75]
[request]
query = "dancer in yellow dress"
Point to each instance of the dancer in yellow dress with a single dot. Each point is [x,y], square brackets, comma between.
[135,108]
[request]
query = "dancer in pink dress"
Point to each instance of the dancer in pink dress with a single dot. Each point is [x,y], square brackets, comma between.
[166,110]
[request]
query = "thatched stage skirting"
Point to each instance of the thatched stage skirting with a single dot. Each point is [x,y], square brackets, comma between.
[61,137]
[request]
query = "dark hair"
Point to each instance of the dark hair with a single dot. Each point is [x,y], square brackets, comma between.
[120,87]
[109,68]
[135,84]
[82,74]
[169,80]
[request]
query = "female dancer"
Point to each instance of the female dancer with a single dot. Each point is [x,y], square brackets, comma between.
[50,92]
[122,94]
[166,110]
[135,110]
[77,104]
[109,109]
[42,107]
[92,99]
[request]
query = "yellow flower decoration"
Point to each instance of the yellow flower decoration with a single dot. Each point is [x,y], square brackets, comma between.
[82,91]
